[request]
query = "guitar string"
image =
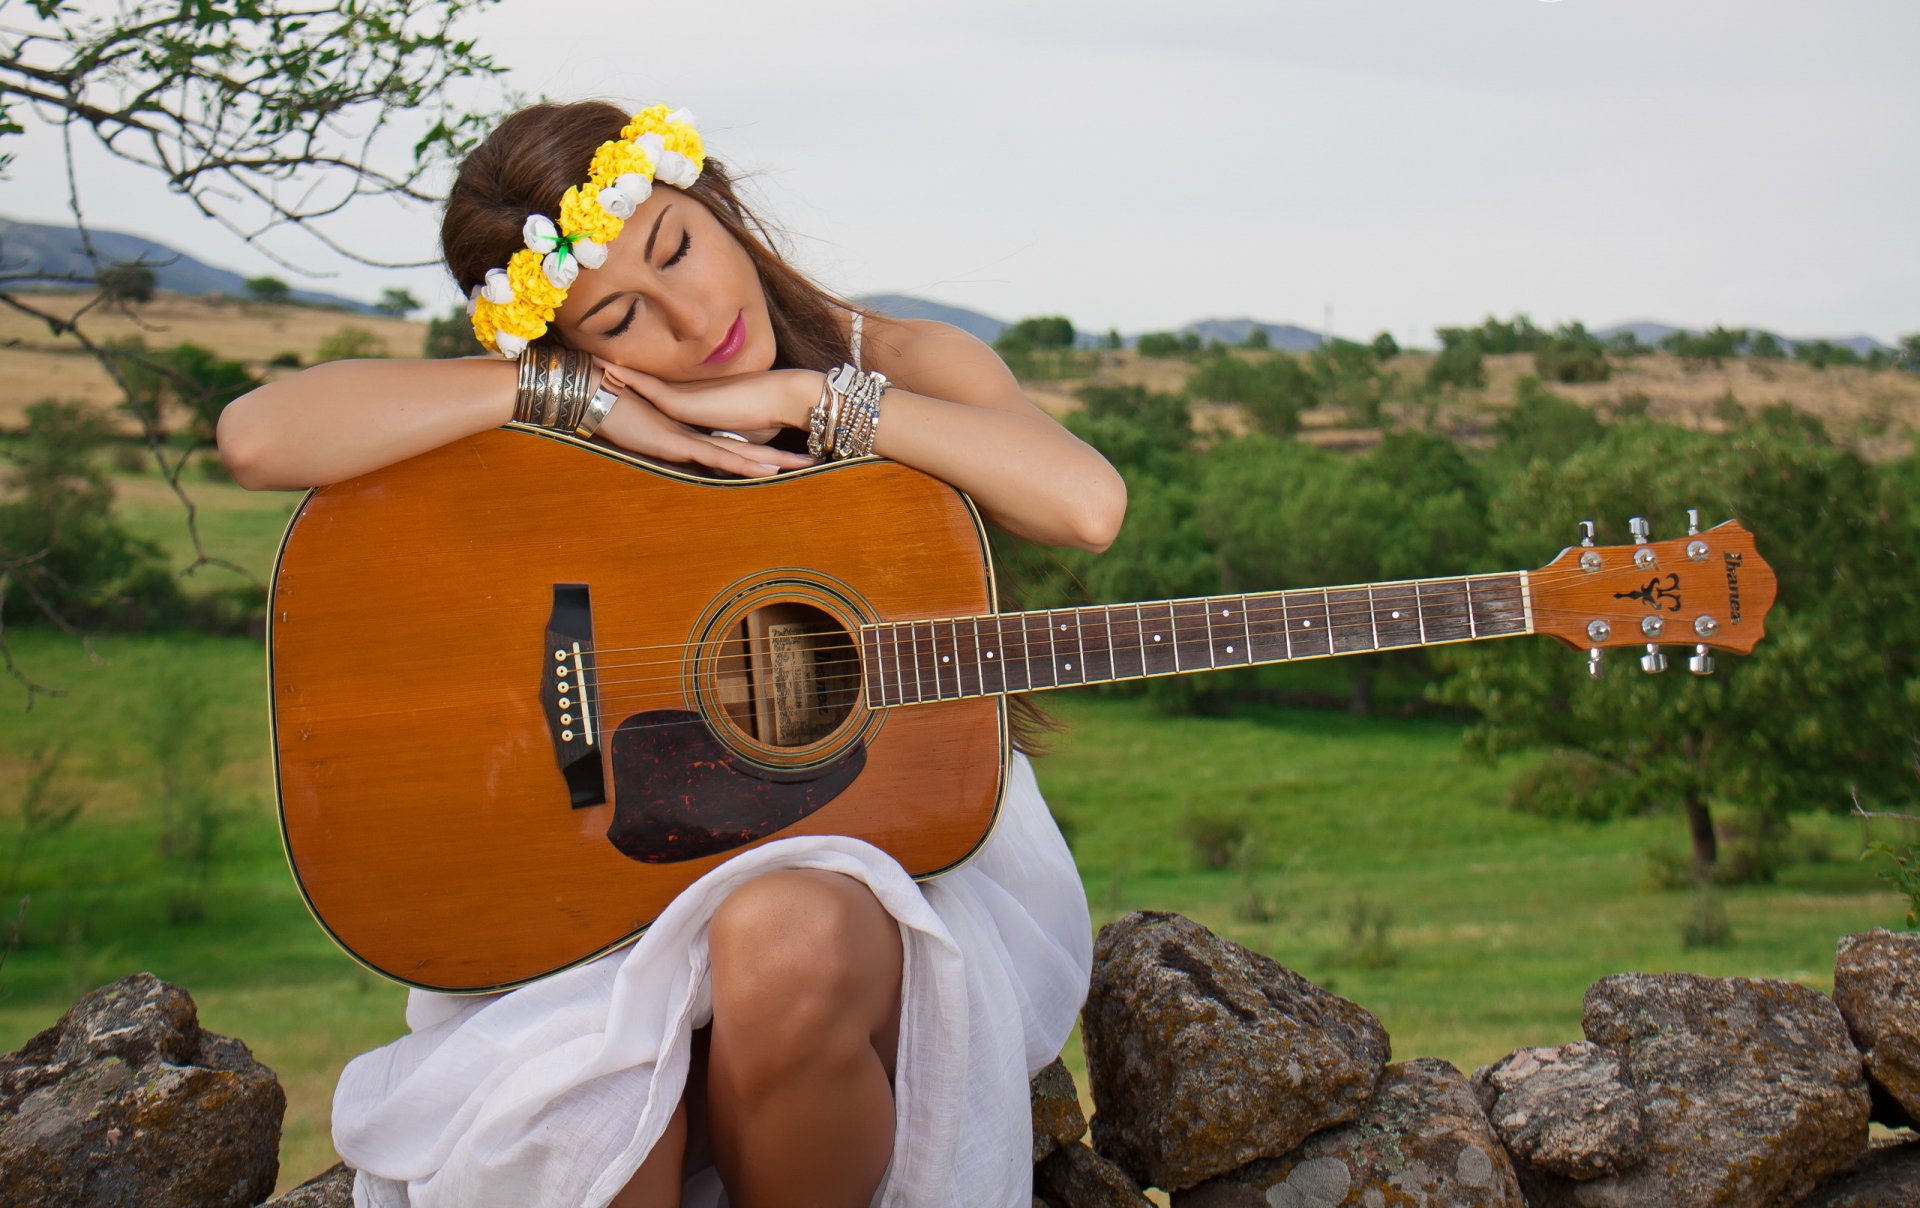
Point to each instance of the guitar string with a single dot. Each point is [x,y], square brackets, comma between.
[1288,598]
[954,675]
[1258,605]
[907,635]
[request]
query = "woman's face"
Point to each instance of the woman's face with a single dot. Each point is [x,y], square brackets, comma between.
[677,298]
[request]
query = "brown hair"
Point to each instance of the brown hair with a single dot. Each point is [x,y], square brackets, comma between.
[529,162]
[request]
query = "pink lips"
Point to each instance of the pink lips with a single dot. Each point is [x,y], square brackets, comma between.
[730,347]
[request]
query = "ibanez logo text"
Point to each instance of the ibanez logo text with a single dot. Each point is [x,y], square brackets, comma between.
[1733,585]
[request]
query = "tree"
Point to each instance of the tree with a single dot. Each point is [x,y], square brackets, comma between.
[1572,355]
[350,343]
[270,117]
[451,335]
[397,302]
[1842,650]
[126,283]
[1385,347]
[1909,358]
[1047,331]
[1274,390]
[1257,338]
[268,289]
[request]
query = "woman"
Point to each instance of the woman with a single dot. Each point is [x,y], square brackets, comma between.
[806,1019]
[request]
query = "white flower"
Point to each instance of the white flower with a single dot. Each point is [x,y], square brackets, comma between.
[473,301]
[673,168]
[589,253]
[615,201]
[540,233]
[652,146]
[560,268]
[682,115]
[499,287]
[635,186]
[508,344]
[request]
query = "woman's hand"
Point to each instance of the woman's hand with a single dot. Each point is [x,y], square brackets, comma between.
[756,405]
[637,425]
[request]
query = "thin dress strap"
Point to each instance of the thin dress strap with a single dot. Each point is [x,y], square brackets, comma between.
[855,349]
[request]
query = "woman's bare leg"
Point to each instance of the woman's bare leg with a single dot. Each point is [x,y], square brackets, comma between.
[806,1019]
[657,1183]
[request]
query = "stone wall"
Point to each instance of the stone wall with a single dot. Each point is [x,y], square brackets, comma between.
[1217,1075]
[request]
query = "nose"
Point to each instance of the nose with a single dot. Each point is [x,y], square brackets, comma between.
[681,312]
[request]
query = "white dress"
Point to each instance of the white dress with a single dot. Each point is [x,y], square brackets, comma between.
[552,1094]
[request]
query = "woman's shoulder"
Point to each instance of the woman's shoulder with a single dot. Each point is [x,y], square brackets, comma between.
[899,347]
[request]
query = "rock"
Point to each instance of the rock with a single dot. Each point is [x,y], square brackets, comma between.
[1887,1177]
[331,1188]
[1204,1056]
[1057,1118]
[1876,982]
[126,1101]
[1074,1176]
[1750,1091]
[1566,1111]
[1421,1140]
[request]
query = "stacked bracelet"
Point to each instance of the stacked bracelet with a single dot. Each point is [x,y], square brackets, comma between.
[557,389]
[843,423]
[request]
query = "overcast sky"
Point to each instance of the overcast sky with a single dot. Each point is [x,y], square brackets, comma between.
[1407,163]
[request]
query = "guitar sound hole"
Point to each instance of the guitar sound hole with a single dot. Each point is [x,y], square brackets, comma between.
[787,675]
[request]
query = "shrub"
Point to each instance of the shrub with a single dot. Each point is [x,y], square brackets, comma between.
[350,343]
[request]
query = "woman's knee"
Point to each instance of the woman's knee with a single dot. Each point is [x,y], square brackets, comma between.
[804,956]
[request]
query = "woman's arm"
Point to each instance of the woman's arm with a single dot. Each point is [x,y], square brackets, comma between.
[345,418]
[954,411]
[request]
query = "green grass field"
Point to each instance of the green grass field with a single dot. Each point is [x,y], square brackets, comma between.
[1380,864]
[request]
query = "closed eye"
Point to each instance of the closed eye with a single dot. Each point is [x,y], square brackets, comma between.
[626,321]
[686,241]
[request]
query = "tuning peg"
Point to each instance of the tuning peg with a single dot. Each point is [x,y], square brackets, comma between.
[1639,527]
[1653,661]
[1701,661]
[1593,663]
[1693,521]
[1586,532]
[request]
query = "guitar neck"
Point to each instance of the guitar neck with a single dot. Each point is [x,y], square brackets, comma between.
[912,662]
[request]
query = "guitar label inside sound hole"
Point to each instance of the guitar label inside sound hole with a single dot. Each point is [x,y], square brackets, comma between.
[788,675]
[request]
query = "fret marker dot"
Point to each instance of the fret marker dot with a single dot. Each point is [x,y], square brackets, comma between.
[1069,666]
[1226,612]
[1396,614]
[945,659]
[1229,650]
[1306,624]
[1156,637]
[989,654]
[1063,629]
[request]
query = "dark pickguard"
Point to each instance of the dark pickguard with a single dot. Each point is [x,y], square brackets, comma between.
[679,794]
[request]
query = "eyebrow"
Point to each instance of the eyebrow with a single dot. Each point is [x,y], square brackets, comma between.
[647,252]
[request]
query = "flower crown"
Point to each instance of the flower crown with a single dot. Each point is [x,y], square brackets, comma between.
[514,305]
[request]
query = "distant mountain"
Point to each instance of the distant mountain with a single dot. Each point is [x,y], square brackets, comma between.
[1283,336]
[902,306]
[35,248]
[1650,333]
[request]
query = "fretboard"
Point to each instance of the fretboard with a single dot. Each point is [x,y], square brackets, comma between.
[912,662]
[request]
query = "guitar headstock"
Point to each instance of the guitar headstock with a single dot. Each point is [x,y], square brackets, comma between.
[1710,590]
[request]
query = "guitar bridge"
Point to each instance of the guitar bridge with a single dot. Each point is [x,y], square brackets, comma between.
[570,695]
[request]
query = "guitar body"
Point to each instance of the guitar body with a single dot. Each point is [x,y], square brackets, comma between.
[425,641]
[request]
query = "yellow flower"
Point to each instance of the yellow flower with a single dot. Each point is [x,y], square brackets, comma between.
[653,117]
[616,159]
[581,214]
[530,284]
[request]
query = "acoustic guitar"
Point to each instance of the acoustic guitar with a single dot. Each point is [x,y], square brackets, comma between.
[526,689]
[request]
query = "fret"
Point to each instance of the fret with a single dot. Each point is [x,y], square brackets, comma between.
[1499,605]
[1420,610]
[1286,625]
[934,659]
[1157,653]
[1192,626]
[1229,649]
[1113,655]
[1444,608]
[1080,639]
[1373,618]
[1071,665]
[1349,625]
[1033,656]
[1396,615]
[1246,631]
[873,685]
[899,669]
[966,664]
[1140,623]
[1307,622]
[993,675]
